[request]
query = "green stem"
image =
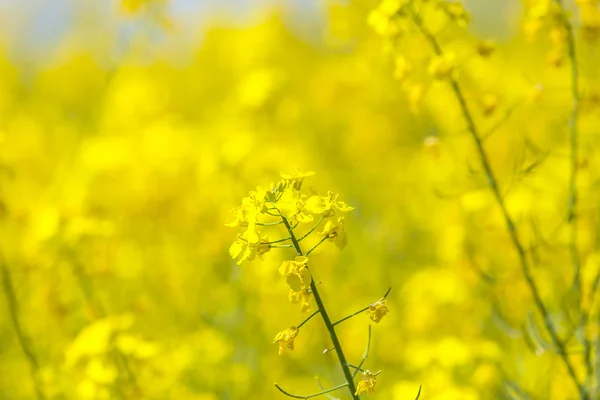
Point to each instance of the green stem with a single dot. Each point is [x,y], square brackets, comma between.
[316,245]
[312,229]
[24,341]
[362,309]
[326,320]
[365,355]
[572,207]
[510,225]
[295,396]
[308,319]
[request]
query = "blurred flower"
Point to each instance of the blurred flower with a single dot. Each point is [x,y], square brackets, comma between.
[367,383]
[296,273]
[377,310]
[488,103]
[456,12]
[402,68]
[296,177]
[442,67]
[485,48]
[286,339]
[303,297]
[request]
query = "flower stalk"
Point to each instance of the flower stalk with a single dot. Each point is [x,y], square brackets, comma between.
[326,320]
[510,225]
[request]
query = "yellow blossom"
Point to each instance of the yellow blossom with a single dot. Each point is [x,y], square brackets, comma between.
[442,67]
[296,273]
[325,205]
[334,230]
[377,310]
[296,177]
[286,339]
[243,249]
[302,297]
[367,383]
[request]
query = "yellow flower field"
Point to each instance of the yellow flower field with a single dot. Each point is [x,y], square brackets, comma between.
[395,199]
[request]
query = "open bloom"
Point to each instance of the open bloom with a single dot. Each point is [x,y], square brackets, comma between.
[334,230]
[296,177]
[244,249]
[286,339]
[325,205]
[296,274]
[377,310]
[367,383]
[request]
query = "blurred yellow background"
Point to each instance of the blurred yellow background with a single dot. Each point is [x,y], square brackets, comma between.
[128,132]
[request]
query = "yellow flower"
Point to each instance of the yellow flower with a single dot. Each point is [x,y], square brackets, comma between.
[377,310]
[252,205]
[334,230]
[367,383]
[325,205]
[442,67]
[286,338]
[302,297]
[296,177]
[296,273]
[243,249]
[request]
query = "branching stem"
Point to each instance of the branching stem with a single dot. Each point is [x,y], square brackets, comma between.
[295,396]
[510,225]
[330,328]
[362,309]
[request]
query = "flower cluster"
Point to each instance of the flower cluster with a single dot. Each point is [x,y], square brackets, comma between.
[286,204]
[284,199]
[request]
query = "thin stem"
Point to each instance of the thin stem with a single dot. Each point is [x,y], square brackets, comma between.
[326,319]
[24,341]
[362,309]
[307,319]
[295,396]
[365,354]
[510,225]
[573,196]
[356,368]
[277,241]
[419,393]
[269,223]
[312,229]
[330,397]
[281,246]
[316,245]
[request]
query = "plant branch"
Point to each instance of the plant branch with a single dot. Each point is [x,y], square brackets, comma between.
[573,195]
[362,309]
[323,311]
[510,225]
[365,355]
[311,229]
[316,245]
[308,319]
[295,396]
[24,341]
